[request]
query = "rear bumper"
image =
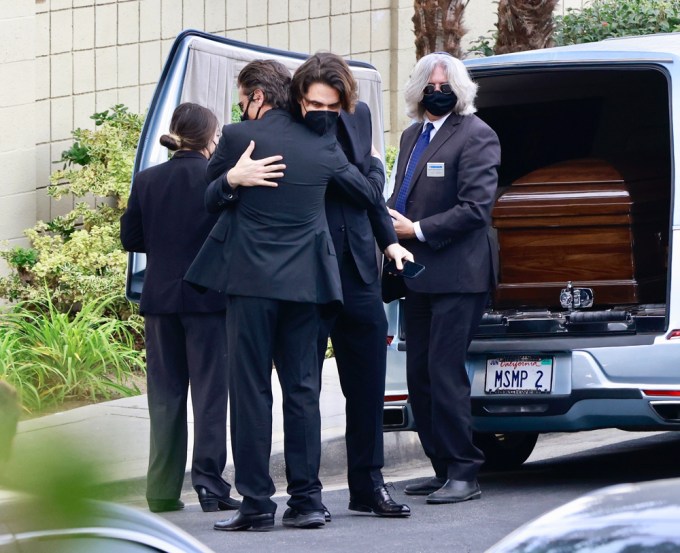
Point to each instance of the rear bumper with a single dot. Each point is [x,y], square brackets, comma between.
[626,409]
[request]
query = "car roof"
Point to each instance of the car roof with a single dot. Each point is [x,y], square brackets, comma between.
[645,513]
[664,47]
[25,517]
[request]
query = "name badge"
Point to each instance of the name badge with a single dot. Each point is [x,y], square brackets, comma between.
[435,169]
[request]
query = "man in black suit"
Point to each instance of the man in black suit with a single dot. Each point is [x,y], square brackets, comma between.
[272,254]
[358,331]
[445,184]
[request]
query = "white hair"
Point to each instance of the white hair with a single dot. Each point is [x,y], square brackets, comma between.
[459,79]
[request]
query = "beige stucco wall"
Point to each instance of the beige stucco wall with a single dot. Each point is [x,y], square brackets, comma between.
[62,60]
[17,120]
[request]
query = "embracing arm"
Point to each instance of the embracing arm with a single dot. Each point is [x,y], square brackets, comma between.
[363,190]
[223,189]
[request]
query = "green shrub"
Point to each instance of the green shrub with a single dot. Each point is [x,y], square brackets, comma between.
[390,158]
[50,356]
[602,19]
[78,257]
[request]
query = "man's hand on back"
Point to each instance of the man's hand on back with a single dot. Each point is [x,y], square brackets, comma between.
[255,172]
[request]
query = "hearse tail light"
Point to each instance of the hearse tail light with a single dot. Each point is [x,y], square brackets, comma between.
[673,334]
[389,340]
[656,393]
[398,397]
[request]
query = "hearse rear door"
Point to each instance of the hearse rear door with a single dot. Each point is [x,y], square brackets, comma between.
[202,68]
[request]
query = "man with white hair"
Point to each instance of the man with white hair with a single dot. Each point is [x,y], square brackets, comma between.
[446,179]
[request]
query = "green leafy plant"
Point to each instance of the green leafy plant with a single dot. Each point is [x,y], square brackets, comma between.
[235,113]
[482,46]
[22,258]
[50,356]
[78,256]
[602,19]
[390,158]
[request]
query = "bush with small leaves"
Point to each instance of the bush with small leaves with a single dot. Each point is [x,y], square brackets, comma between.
[78,256]
[601,19]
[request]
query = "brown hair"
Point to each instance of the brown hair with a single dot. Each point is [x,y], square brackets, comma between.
[271,77]
[329,69]
[192,127]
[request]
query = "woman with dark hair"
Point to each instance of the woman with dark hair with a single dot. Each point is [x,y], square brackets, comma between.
[185,330]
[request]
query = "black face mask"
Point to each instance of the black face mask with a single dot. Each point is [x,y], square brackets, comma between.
[244,115]
[439,103]
[322,122]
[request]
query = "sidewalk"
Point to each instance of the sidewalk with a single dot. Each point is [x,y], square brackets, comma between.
[115,435]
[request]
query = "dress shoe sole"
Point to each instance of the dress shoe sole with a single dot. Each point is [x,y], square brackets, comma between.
[304,521]
[424,491]
[251,527]
[359,508]
[254,525]
[423,488]
[213,505]
[452,499]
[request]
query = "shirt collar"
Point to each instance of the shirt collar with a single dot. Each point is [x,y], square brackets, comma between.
[438,123]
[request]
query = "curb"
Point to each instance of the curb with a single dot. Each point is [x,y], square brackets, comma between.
[402,449]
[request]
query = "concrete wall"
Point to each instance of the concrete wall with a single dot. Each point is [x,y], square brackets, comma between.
[62,60]
[17,120]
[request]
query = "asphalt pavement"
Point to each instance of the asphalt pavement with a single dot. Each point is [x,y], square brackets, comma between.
[114,437]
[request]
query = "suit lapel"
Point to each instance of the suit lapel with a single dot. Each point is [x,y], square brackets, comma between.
[446,131]
[406,148]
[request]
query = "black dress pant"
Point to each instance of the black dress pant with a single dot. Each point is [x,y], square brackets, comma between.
[439,329]
[358,335]
[259,330]
[183,349]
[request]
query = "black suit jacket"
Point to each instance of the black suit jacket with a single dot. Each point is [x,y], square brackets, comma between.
[166,219]
[454,210]
[274,242]
[352,225]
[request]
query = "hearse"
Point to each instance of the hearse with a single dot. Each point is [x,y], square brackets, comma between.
[583,329]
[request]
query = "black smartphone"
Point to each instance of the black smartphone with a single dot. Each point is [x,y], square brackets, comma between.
[411,269]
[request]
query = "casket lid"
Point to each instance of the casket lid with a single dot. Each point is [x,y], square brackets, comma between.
[573,189]
[575,171]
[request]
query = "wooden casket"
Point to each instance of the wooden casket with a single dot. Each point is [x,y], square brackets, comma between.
[580,221]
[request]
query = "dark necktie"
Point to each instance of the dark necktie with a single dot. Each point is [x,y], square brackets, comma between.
[418,149]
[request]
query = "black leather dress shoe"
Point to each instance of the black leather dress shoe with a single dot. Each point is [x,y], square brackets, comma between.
[381,504]
[326,513]
[261,522]
[297,519]
[455,491]
[164,505]
[425,488]
[212,502]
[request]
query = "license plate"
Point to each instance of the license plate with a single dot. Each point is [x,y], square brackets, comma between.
[519,374]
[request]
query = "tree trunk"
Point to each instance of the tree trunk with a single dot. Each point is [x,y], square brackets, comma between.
[524,25]
[439,26]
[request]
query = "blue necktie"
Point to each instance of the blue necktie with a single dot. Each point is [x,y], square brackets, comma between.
[418,149]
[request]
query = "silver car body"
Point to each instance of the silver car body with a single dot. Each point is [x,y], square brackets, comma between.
[38,525]
[626,517]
